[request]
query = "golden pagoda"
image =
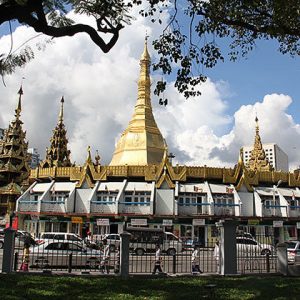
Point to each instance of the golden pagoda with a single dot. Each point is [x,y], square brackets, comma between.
[142,142]
[14,169]
[58,154]
[258,160]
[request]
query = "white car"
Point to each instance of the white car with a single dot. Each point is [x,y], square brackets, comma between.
[61,236]
[57,254]
[250,246]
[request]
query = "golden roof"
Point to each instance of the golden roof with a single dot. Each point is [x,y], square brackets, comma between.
[258,159]
[58,154]
[142,142]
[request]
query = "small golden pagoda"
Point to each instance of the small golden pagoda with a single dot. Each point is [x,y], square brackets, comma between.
[14,169]
[142,142]
[258,160]
[58,154]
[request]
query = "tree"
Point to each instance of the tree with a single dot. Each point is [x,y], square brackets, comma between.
[190,39]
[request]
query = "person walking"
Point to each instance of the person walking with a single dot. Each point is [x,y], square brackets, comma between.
[217,255]
[196,261]
[25,258]
[158,259]
[104,265]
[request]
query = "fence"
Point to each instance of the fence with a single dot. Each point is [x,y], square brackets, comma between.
[115,256]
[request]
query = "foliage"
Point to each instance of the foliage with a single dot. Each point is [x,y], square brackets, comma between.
[28,286]
[188,44]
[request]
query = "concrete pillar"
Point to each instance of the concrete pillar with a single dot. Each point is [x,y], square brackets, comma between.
[124,254]
[227,244]
[282,260]
[8,250]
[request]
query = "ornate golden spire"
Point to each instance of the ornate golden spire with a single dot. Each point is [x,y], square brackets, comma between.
[14,169]
[258,160]
[141,143]
[58,154]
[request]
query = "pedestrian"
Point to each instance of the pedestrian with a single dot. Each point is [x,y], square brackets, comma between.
[104,265]
[117,265]
[196,261]
[217,255]
[25,258]
[158,259]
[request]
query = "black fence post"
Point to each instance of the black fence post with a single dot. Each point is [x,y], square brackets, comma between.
[70,263]
[268,262]
[8,250]
[174,264]
[16,261]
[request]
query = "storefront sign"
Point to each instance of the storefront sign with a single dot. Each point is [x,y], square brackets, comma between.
[77,220]
[138,222]
[253,222]
[167,223]
[34,217]
[198,222]
[277,223]
[102,222]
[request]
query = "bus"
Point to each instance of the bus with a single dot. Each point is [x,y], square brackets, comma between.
[144,240]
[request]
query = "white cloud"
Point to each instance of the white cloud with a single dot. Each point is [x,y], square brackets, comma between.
[100,92]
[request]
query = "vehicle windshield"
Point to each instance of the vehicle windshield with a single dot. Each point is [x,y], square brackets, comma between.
[290,244]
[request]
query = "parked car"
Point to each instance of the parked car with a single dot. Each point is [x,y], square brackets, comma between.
[293,251]
[252,247]
[61,236]
[56,254]
[21,237]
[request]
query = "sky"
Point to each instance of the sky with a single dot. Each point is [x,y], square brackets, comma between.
[100,92]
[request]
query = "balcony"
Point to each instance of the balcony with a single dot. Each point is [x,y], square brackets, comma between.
[193,209]
[274,210]
[28,205]
[294,211]
[135,208]
[224,209]
[53,206]
[103,207]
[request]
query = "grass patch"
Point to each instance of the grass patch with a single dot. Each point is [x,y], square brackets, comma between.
[42,287]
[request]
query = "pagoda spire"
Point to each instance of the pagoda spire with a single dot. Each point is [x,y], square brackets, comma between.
[14,169]
[258,160]
[58,155]
[142,142]
[19,106]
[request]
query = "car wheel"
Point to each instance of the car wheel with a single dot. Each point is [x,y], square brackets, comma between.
[265,252]
[1,245]
[171,251]
[139,251]
[42,263]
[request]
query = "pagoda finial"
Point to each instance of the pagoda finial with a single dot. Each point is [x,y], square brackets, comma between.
[145,55]
[61,112]
[258,159]
[89,156]
[19,106]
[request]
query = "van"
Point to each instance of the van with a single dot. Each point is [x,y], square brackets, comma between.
[144,240]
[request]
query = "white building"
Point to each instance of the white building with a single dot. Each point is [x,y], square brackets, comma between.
[275,155]
[34,158]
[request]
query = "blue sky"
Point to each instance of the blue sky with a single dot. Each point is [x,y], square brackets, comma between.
[205,130]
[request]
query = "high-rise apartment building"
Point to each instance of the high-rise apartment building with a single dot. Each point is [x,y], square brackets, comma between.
[34,158]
